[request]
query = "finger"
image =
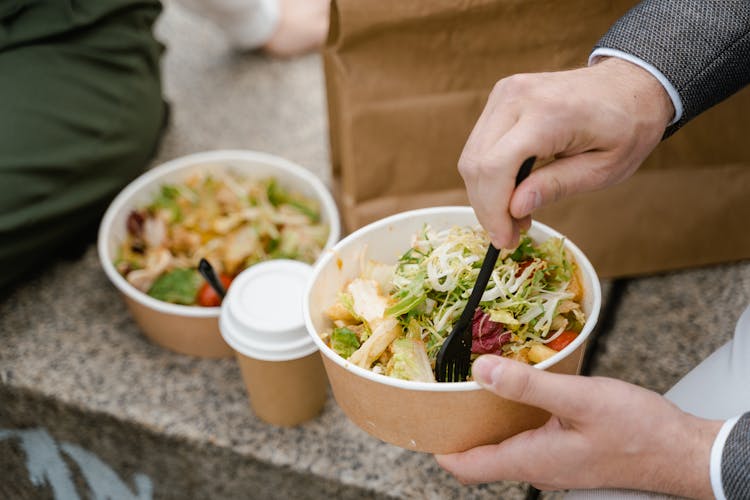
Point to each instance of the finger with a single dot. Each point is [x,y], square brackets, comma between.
[561,179]
[515,459]
[477,465]
[566,396]
[491,126]
[491,191]
[525,223]
[497,117]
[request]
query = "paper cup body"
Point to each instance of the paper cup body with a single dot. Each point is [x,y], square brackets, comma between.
[285,393]
[427,417]
[261,319]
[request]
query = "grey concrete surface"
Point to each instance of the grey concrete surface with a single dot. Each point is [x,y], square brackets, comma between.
[74,364]
[224,99]
[666,324]
[82,353]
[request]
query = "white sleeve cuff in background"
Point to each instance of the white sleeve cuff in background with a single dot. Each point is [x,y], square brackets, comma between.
[247,24]
[671,91]
[716,451]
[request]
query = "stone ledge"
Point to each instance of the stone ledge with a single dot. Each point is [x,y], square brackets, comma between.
[76,365]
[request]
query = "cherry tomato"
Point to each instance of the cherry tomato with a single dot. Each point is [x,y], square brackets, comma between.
[562,340]
[206,295]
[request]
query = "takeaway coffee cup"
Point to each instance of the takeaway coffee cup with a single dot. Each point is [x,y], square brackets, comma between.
[261,319]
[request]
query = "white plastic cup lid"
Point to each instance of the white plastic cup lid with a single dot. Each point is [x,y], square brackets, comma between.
[261,316]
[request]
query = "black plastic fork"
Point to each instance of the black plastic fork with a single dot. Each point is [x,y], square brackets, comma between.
[454,358]
[209,274]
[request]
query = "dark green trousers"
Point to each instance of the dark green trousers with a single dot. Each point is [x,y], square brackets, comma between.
[81,113]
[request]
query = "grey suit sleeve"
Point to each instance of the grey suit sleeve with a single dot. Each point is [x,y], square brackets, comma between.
[735,461]
[701,46]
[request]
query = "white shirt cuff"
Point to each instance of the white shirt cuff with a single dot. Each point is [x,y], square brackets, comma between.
[716,451]
[671,90]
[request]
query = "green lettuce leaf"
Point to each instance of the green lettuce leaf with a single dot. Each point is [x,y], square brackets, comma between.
[179,286]
[167,201]
[344,341]
[409,361]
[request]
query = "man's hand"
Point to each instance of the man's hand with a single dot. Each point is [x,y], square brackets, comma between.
[603,433]
[594,126]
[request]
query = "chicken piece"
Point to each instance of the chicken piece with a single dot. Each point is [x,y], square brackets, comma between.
[369,304]
[558,322]
[288,216]
[566,306]
[184,240]
[223,225]
[226,196]
[250,214]
[381,273]
[337,312]
[157,261]
[383,333]
[154,232]
[540,352]
[576,287]
[522,355]
[238,246]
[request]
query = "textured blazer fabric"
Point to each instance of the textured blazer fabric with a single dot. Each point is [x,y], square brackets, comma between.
[701,46]
[735,461]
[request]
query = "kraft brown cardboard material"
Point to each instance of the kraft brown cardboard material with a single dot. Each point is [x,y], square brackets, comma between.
[406,82]
[285,393]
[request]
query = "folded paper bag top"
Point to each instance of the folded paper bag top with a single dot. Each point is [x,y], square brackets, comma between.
[261,319]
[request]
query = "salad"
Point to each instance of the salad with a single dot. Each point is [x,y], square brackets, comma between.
[232,221]
[392,319]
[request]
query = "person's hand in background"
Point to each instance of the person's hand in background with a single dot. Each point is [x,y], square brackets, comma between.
[603,433]
[280,28]
[303,27]
[594,126]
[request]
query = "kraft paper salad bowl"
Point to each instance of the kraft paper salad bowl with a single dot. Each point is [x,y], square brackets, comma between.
[193,329]
[427,416]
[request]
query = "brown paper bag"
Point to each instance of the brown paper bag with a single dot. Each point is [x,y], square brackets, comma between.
[406,81]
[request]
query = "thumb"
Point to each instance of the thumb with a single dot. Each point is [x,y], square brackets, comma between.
[566,396]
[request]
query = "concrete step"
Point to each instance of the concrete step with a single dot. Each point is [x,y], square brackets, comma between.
[84,395]
[76,372]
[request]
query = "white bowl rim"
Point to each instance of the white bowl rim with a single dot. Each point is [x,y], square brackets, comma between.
[581,260]
[195,159]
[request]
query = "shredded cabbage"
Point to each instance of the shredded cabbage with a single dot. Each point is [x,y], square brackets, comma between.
[432,281]
[442,266]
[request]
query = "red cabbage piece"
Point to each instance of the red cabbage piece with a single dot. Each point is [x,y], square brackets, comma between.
[135,223]
[487,336]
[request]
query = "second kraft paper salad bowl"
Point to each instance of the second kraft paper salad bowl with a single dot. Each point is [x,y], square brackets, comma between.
[427,416]
[182,327]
